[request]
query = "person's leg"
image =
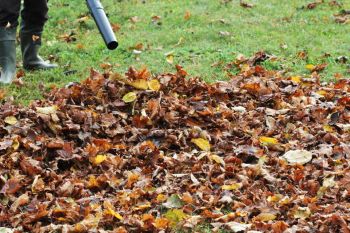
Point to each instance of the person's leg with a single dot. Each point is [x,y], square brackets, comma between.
[9,12]
[34,16]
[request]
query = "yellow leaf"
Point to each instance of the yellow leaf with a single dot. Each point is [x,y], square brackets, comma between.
[241,214]
[99,159]
[274,198]
[203,144]
[232,186]
[129,97]
[161,198]
[296,79]
[111,212]
[181,40]
[15,144]
[245,67]
[170,58]
[328,128]
[92,183]
[302,213]
[338,162]
[11,120]
[139,84]
[322,92]
[265,217]
[310,67]
[217,159]
[154,85]
[47,110]
[321,191]
[268,140]
[175,216]
[142,207]
[285,201]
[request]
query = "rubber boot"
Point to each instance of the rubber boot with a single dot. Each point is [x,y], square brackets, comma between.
[30,45]
[7,54]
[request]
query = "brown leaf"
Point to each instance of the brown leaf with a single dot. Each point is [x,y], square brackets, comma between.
[30,166]
[187,15]
[11,186]
[245,4]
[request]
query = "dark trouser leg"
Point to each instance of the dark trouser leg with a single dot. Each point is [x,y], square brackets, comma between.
[9,12]
[34,16]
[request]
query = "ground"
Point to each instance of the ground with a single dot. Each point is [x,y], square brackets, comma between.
[200,35]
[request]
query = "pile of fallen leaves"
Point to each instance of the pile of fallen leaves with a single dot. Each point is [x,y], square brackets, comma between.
[260,152]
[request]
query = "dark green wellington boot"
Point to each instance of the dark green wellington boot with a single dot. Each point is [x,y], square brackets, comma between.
[30,45]
[7,54]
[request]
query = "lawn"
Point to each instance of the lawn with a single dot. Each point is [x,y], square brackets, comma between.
[200,35]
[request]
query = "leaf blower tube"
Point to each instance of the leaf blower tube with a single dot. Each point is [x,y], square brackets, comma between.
[102,23]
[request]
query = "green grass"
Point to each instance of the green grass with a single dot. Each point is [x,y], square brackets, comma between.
[266,26]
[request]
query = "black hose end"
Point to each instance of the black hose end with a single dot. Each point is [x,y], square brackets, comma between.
[112,45]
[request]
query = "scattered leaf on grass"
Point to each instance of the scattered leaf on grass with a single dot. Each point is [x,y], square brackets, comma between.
[134,19]
[245,4]
[310,67]
[169,57]
[224,33]
[187,15]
